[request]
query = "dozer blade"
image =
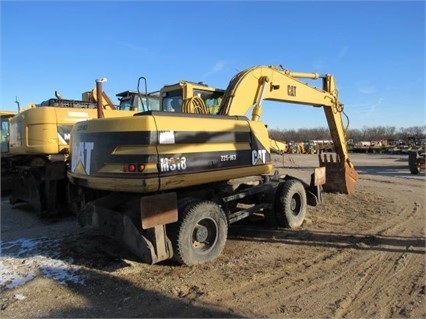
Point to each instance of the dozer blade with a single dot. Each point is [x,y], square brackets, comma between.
[340,177]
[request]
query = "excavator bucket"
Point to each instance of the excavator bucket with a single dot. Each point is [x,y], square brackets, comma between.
[340,177]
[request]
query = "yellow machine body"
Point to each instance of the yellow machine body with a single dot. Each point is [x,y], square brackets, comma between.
[46,130]
[38,148]
[245,92]
[156,151]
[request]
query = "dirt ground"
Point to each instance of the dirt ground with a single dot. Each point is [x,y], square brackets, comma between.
[355,256]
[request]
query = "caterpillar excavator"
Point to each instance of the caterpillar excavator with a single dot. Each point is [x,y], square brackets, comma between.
[278,147]
[169,183]
[38,148]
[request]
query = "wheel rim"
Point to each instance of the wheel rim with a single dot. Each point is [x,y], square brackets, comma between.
[204,235]
[295,204]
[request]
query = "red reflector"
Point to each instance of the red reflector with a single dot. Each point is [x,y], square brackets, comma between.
[133,168]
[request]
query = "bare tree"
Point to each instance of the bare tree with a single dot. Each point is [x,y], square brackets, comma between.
[390,133]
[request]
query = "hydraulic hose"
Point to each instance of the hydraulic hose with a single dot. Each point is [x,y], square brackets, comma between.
[195,104]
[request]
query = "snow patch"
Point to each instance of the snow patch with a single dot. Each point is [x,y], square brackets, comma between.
[19,297]
[25,259]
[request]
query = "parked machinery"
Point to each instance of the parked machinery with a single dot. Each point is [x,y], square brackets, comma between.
[169,184]
[39,147]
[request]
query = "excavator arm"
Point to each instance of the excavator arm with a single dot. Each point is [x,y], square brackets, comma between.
[250,87]
[93,96]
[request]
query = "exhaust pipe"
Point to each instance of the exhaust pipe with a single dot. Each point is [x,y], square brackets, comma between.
[99,92]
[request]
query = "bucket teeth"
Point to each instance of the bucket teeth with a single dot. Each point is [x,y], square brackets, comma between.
[340,176]
[323,159]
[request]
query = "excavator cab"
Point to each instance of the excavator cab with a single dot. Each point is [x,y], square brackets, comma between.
[136,101]
[4,118]
[191,97]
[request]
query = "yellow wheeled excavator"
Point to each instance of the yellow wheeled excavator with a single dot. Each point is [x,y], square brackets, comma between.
[278,147]
[169,183]
[38,147]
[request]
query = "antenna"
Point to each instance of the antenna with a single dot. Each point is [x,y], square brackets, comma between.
[17,102]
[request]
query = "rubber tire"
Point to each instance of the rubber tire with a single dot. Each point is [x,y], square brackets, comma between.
[76,199]
[290,204]
[413,163]
[210,220]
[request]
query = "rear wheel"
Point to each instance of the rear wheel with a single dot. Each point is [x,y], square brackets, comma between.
[75,198]
[200,233]
[290,204]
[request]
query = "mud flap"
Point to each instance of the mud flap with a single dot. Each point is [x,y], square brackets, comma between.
[313,193]
[149,245]
[340,177]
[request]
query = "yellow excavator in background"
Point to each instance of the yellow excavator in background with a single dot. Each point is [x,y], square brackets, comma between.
[5,116]
[170,183]
[297,148]
[278,147]
[38,148]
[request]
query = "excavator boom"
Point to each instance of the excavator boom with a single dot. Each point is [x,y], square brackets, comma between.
[250,87]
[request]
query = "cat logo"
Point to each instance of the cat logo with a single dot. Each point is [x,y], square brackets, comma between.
[258,157]
[81,157]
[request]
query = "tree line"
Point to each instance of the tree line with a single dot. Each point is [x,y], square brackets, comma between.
[389,133]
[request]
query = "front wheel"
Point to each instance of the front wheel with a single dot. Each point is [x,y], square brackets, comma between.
[290,204]
[200,233]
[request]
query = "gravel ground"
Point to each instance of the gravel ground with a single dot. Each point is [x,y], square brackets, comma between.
[355,256]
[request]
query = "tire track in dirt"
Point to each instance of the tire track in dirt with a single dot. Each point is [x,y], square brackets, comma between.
[348,261]
[406,221]
[386,281]
[378,289]
[356,256]
[375,289]
[349,279]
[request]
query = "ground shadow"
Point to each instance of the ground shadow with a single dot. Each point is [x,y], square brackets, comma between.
[304,237]
[102,292]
